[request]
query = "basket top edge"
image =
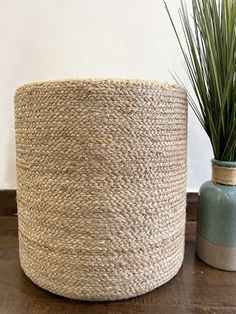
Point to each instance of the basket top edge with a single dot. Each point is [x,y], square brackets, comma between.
[115,81]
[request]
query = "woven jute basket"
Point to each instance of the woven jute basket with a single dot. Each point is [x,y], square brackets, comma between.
[101,182]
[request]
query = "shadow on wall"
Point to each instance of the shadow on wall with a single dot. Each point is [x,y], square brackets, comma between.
[10,172]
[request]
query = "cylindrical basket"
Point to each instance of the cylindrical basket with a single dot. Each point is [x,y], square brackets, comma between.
[101,185]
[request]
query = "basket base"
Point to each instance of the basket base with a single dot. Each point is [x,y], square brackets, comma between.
[100,298]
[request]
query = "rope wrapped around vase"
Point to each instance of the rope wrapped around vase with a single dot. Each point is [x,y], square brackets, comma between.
[224,175]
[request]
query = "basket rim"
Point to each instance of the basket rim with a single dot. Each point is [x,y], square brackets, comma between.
[114,81]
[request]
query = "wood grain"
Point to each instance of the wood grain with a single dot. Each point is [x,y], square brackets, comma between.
[197,288]
[192,203]
[8,206]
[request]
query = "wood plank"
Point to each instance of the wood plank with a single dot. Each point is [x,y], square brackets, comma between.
[8,206]
[192,203]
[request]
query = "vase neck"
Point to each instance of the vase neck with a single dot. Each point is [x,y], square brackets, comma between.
[224,172]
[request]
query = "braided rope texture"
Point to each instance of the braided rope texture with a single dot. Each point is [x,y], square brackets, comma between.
[101,185]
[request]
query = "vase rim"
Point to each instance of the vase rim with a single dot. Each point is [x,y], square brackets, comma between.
[223,163]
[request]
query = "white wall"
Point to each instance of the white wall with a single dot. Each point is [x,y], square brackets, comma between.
[50,39]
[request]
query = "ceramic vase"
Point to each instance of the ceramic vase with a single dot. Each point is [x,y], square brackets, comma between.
[216,228]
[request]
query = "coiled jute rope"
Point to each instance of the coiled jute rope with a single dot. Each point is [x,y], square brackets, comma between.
[224,175]
[101,182]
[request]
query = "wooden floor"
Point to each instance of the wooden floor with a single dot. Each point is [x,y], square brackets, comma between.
[197,288]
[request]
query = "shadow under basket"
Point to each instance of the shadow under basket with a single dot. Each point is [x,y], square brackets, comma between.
[101,185]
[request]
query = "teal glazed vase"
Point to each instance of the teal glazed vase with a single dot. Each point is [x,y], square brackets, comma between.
[216,225]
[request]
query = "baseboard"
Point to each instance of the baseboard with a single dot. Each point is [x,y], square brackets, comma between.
[192,203]
[8,206]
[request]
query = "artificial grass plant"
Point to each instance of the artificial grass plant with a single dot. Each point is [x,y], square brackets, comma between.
[210,63]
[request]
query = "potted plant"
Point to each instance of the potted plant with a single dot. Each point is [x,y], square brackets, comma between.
[210,59]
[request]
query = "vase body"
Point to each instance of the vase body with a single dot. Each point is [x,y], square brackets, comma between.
[216,225]
[101,185]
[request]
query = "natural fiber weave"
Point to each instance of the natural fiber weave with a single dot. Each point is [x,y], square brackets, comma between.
[101,182]
[224,175]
